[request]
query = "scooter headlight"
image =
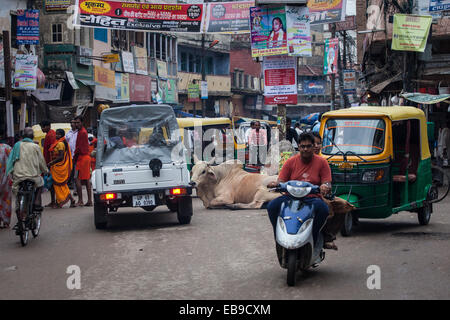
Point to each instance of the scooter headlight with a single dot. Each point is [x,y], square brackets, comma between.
[298,192]
[281,223]
[305,225]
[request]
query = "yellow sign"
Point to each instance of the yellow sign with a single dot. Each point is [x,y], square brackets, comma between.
[345,165]
[105,77]
[109,58]
[95,6]
[410,32]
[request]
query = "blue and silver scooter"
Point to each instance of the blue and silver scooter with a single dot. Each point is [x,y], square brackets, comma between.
[294,238]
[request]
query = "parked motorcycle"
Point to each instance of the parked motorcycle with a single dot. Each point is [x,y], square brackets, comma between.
[294,237]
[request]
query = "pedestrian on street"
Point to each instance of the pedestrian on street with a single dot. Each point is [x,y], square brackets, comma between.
[92,150]
[71,138]
[291,134]
[317,142]
[60,169]
[83,163]
[50,139]
[5,188]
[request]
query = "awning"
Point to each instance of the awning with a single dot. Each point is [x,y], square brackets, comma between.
[425,98]
[86,82]
[379,87]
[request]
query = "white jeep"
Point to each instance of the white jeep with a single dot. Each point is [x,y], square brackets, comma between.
[140,162]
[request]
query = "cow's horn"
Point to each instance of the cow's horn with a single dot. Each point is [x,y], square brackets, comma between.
[196,159]
[213,159]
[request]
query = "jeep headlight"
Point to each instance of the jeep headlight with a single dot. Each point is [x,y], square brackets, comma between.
[373,175]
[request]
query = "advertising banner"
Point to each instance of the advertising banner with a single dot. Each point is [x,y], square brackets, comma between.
[204,89]
[331,56]
[140,60]
[314,86]
[122,87]
[410,32]
[27,26]
[228,16]
[2,66]
[193,92]
[51,91]
[268,31]
[162,68]
[139,16]
[168,91]
[56,5]
[349,81]
[439,5]
[326,11]
[280,80]
[298,31]
[140,88]
[25,76]
[127,62]
[105,77]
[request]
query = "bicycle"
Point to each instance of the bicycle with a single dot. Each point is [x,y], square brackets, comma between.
[28,216]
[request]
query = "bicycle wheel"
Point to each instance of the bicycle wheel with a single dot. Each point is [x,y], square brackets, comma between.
[36,224]
[23,233]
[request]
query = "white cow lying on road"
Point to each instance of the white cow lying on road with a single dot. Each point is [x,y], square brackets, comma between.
[227,184]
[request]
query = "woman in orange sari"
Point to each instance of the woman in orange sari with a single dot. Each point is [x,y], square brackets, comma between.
[60,168]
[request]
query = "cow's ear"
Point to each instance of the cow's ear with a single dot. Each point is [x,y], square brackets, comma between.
[212,175]
[196,159]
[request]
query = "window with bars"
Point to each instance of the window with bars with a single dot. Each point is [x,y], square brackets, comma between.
[57,33]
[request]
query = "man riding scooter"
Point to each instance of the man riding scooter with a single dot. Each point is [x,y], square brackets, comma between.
[307,167]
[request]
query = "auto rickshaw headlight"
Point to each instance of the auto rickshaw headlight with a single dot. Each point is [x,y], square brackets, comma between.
[373,175]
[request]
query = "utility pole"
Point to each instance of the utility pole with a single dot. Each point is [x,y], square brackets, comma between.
[8,89]
[333,76]
[203,74]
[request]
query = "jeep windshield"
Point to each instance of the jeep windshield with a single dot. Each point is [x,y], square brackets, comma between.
[358,136]
[137,134]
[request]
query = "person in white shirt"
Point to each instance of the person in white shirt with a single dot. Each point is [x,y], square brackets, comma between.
[71,137]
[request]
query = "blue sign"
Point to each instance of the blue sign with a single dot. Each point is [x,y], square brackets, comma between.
[314,86]
[439,5]
[27,26]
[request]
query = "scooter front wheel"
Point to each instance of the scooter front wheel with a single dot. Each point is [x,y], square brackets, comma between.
[291,267]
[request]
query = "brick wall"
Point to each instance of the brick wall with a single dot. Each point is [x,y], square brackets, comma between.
[242,59]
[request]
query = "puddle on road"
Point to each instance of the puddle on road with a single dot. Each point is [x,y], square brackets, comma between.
[423,235]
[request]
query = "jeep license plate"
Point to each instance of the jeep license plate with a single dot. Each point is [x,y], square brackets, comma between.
[144,200]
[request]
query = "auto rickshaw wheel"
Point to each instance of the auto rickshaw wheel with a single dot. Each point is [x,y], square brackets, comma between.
[347,228]
[424,214]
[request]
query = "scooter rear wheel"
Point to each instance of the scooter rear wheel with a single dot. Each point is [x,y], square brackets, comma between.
[291,267]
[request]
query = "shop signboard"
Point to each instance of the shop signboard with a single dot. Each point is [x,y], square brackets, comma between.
[313,87]
[331,56]
[280,80]
[127,62]
[137,16]
[27,26]
[322,12]
[105,77]
[50,92]
[204,89]
[348,24]
[228,16]
[57,5]
[25,75]
[193,92]
[162,69]
[439,5]
[349,81]
[168,90]
[122,88]
[298,31]
[140,88]
[410,32]
[140,60]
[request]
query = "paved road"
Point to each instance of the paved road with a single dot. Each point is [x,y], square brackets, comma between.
[221,255]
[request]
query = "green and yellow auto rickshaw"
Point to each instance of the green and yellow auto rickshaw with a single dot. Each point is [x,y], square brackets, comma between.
[380,161]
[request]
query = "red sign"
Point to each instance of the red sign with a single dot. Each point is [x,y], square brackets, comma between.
[140,16]
[280,80]
[140,88]
[348,24]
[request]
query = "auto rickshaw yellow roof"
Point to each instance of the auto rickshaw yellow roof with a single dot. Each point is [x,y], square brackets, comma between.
[394,113]
[191,122]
